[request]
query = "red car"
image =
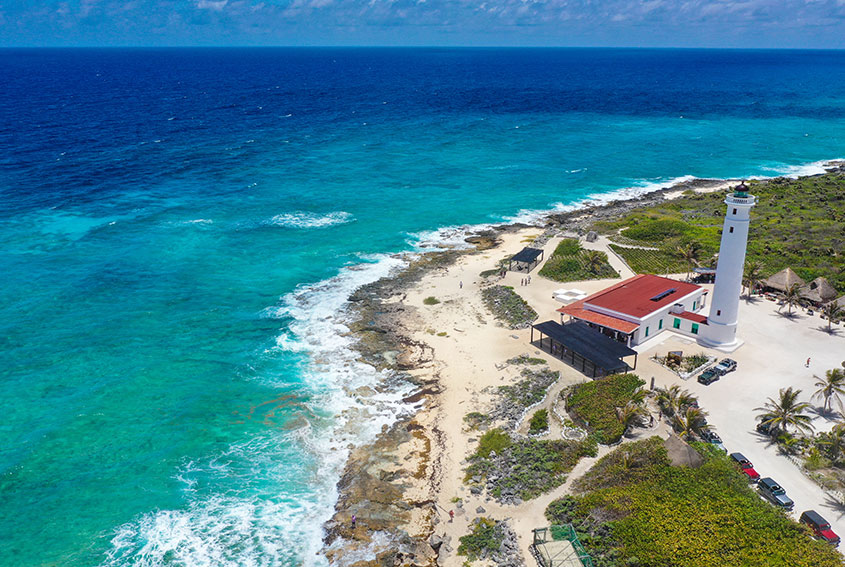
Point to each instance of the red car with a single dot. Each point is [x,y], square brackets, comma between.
[820,526]
[746,466]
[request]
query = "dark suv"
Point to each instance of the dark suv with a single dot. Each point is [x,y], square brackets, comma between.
[746,466]
[820,526]
[708,376]
[773,492]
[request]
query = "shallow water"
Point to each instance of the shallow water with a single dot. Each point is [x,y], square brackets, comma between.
[179,230]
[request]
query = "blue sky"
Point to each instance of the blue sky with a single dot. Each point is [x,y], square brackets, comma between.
[649,23]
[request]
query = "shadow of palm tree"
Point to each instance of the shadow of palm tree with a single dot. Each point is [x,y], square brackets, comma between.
[833,331]
[835,504]
[753,299]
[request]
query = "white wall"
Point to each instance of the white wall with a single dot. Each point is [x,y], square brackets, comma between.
[653,320]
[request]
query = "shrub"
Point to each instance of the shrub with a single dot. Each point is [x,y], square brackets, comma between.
[568,247]
[485,538]
[539,422]
[494,440]
[639,509]
[570,263]
[431,300]
[475,419]
[594,404]
[507,306]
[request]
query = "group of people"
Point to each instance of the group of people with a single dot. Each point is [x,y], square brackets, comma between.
[525,281]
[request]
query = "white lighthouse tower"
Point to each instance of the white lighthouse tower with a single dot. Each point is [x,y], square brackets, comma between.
[720,331]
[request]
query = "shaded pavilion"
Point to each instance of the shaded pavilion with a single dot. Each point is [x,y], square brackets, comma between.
[527,259]
[783,280]
[585,349]
[818,291]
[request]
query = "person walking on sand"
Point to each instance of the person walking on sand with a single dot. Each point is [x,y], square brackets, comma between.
[807,363]
[451,515]
[461,285]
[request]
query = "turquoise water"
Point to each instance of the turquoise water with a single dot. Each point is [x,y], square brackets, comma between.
[180,230]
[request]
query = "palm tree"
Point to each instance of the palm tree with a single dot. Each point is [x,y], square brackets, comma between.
[631,415]
[690,254]
[594,260]
[667,399]
[786,412]
[752,275]
[690,421]
[791,296]
[831,386]
[832,311]
[834,442]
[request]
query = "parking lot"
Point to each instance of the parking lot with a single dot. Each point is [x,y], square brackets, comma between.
[773,357]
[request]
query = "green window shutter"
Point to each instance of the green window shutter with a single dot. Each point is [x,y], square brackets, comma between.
[677,324]
[660,324]
[695,328]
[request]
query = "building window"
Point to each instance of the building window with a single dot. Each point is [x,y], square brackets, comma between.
[660,324]
[731,230]
[646,331]
[676,324]
[718,312]
[695,328]
[734,211]
[693,305]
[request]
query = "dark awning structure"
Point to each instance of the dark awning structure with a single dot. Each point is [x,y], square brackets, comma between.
[526,258]
[583,348]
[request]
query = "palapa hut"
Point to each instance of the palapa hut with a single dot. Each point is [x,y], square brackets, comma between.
[840,302]
[783,280]
[818,291]
[681,454]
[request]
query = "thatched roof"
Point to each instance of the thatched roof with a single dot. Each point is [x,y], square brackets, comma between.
[819,291]
[840,301]
[681,454]
[784,279]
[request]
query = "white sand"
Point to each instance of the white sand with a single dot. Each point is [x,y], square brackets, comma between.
[466,360]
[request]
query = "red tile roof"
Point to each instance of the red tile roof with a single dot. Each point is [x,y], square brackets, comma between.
[694,317]
[577,310]
[634,296]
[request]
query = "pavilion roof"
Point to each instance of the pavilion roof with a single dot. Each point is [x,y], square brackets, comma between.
[819,290]
[783,280]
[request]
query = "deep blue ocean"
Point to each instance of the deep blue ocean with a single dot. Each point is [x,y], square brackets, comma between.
[179,231]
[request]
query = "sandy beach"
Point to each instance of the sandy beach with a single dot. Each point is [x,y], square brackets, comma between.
[465,361]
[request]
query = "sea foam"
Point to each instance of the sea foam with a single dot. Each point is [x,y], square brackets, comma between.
[304,219]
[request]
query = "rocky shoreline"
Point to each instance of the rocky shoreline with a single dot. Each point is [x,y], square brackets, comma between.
[390,486]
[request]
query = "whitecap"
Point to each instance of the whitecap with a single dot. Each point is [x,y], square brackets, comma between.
[304,219]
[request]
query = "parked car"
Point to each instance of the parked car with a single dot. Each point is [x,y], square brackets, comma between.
[713,438]
[774,493]
[820,526]
[764,428]
[725,365]
[746,466]
[708,376]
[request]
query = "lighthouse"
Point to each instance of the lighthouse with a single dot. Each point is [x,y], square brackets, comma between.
[720,330]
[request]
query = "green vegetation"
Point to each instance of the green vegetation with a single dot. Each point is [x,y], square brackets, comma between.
[693,361]
[571,263]
[485,538]
[539,422]
[528,391]
[507,306]
[523,468]
[494,441]
[476,420]
[649,261]
[525,359]
[634,508]
[796,223]
[595,404]
[431,300]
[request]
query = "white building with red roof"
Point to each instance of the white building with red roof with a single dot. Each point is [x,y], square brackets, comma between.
[640,307]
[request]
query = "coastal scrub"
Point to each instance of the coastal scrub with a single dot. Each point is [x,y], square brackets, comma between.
[594,404]
[569,262]
[635,508]
[508,307]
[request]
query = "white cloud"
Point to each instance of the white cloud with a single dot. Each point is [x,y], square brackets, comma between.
[216,5]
